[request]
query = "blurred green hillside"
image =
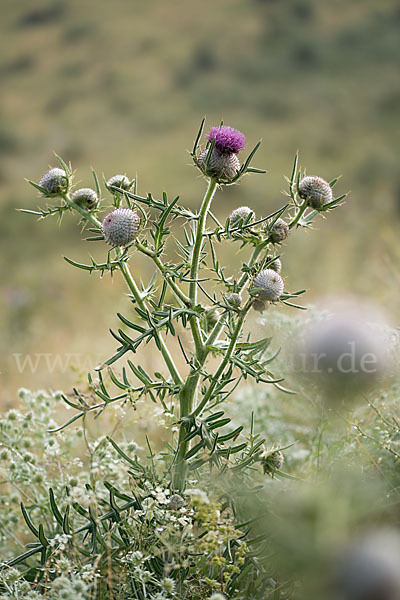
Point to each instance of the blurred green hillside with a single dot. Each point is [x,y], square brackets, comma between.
[122,86]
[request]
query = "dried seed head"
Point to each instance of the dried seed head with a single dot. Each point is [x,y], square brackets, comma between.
[234,300]
[279,231]
[176,502]
[241,215]
[276,265]
[85,197]
[120,227]
[268,285]
[54,182]
[118,181]
[316,190]
[222,165]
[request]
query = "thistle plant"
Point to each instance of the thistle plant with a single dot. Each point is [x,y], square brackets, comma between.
[178,296]
[194,301]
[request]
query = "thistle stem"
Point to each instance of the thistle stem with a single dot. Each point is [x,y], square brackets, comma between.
[164,350]
[299,214]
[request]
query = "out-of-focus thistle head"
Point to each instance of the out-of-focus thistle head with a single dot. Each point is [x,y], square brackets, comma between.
[276,265]
[119,181]
[240,216]
[85,197]
[316,191]
[120,227]
[176,502]
[370,568]
[268,286]
[210,317]
[279,231]
[54,182]
[271,461]
[224,163]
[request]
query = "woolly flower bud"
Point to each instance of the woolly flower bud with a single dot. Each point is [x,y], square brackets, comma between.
[241,215]
[276,265]
[120,227]
[221,165]
[316,190]
[85,197]
[234,300]
[118,181]
[210,317]
[269,285]
[279,231]
[54,182]
[259,305]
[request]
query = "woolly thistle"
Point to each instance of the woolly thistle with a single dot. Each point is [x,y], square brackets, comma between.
[210,317]
[316,191]
[85,197]
[54,182]
[268,285]
[223,164]
[279,231]
[241,215]
[119,181]
[276,265]
[120,227]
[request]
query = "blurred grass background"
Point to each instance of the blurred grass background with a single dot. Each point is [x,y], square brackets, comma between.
[122,86]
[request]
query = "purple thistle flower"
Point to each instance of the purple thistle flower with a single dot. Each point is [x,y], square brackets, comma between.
[227,139]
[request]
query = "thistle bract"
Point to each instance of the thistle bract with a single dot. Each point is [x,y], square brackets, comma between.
[120,227]
[54,182]
[221,165]
[85,197]
[268,285]
[316,190]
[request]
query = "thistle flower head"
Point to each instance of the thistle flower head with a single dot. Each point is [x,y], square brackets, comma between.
[268,285]
[227,139]
[119,181]
[120,226]
[54,182]
[85,197]
[241,215]
[276,265]
[279,231]
[316,190]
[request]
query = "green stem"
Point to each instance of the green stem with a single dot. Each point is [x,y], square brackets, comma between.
[225,360]
[140,302]
[189,390]
[194,271]
[299,214]
[164,271]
